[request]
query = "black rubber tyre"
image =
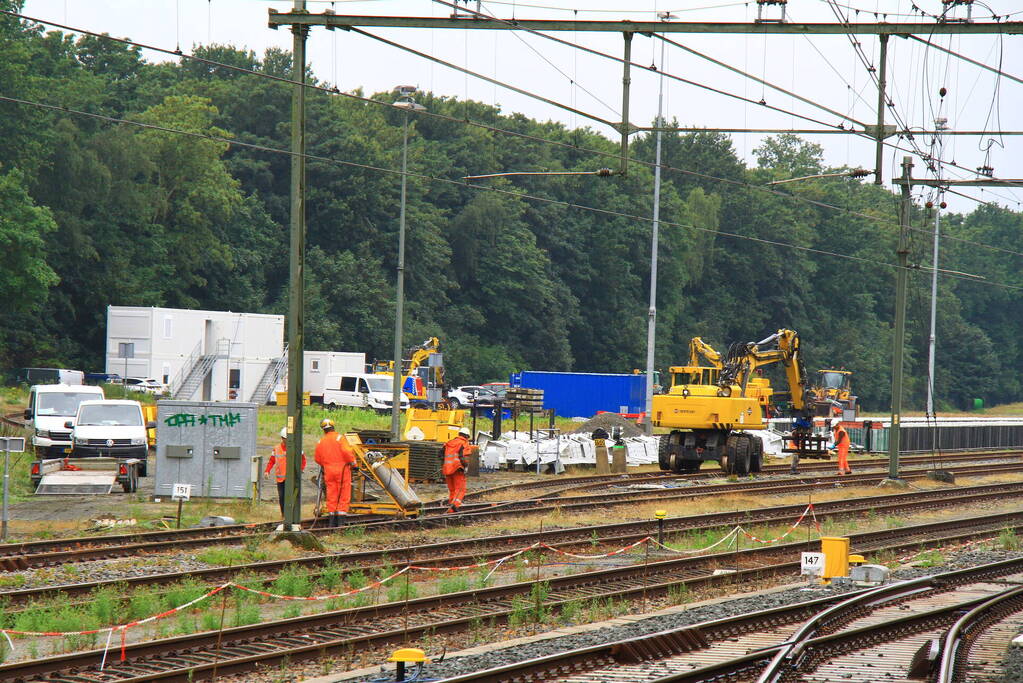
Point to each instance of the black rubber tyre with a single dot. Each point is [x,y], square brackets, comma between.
[663,456]
[454,403]
[738,449]
[756,462]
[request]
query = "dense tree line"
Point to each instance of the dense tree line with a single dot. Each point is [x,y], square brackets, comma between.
[94,212]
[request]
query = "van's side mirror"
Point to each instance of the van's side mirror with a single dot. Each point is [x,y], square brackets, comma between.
[69,425]
[151,425]
[28,413]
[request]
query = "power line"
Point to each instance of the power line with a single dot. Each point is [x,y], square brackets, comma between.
[459,183]
[600,153]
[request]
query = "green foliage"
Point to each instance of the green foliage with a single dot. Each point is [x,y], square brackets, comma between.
[93,214]
[1008,540]
[292,582]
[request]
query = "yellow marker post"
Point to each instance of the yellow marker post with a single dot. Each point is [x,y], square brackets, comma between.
[836,557]
[660,515]
[407,655]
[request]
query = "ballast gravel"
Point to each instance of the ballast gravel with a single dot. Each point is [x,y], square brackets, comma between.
[518,653]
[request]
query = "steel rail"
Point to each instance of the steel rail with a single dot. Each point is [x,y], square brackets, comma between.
[699,636]
[530,507]
[338,631]
[533,506]
[955,650]
[618,534]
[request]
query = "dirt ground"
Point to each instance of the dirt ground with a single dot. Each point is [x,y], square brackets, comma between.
[42,516]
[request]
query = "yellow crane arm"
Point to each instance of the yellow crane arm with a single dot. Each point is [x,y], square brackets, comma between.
[697,348]
[786,352]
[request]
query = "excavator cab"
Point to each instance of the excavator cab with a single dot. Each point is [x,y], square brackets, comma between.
[832,394]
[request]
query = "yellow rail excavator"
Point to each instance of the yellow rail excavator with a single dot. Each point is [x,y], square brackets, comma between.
[422,374]
[713,410]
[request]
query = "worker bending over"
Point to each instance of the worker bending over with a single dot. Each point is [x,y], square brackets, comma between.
[842,446]
[279,463]
[336,458]
[455,453]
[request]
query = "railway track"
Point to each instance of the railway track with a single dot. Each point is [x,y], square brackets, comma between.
[341,632]
[799,642]
[53,552]
[461,552]
[564,484]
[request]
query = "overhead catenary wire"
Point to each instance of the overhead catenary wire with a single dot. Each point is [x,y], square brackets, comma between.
[460,183]
[916,148]
[611,155]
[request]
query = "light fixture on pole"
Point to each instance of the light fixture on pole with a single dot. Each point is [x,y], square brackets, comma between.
[407,103]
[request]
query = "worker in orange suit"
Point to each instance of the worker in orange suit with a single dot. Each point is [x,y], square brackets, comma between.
[842,446]
[456,452]
[279,463]
[336,458]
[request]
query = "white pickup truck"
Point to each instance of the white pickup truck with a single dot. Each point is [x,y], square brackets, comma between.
[109,445]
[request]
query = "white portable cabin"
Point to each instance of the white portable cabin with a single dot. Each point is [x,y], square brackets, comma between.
[200,355]
[319,364]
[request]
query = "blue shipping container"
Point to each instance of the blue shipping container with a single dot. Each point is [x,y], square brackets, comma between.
[583,394]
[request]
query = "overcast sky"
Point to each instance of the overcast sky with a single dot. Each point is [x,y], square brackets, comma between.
[823,69]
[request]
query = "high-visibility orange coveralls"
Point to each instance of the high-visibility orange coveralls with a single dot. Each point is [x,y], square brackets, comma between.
[842,446]
[279,463]
[453,469]
[336,458]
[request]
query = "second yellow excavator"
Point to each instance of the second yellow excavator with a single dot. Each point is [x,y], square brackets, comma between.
[714,411]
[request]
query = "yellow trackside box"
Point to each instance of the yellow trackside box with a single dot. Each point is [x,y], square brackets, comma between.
[836,557]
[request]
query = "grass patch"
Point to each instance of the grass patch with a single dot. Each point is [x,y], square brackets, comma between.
[1008,540]
[453,584]
[931,558]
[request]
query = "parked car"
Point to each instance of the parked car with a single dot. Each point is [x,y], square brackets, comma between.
[482,395]
[97,378]
[463,396]
[148,385]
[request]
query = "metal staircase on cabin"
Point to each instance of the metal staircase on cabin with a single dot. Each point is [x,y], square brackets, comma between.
[272,376]
[195,377]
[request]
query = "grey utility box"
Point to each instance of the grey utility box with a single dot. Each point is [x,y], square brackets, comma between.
[206,444]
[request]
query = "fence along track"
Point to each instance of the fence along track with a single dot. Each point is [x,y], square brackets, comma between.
[338,632]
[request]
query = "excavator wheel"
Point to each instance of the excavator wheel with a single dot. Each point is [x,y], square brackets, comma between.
[757,457]
[663,455]
[738,449]
[669,452]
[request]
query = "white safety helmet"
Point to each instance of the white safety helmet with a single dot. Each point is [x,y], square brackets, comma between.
[464,431]
[284,432]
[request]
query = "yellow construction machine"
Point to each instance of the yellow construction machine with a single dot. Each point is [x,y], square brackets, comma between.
[422,374]
[832,394]
[712,410]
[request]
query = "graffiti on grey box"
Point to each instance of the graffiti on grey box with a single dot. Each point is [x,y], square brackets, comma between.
[192,420]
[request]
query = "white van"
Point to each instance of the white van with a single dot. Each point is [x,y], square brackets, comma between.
[112,428]
[359,390]
[49,407]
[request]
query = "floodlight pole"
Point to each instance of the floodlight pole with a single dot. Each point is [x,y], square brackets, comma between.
[651,325]
[399,307]
[296,287]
